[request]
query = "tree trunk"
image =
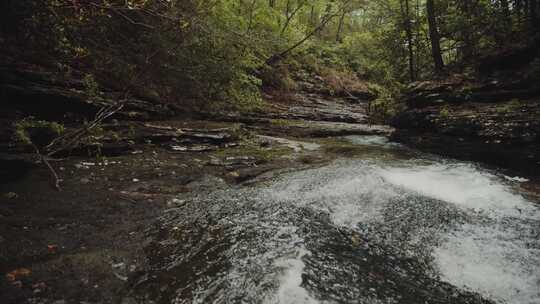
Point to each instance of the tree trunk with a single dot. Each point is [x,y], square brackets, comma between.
[340,27]
[312,16]
[279,56]
[467,49]
[505,9]
[291,15]
[251,13]
[518,7]
[434,36]
[526,11]
[533,13]
[408,31]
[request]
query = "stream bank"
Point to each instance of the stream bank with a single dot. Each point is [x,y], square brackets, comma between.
[492,120]
[89,241]
[302,202]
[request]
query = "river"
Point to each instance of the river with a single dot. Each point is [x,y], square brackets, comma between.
[390,226]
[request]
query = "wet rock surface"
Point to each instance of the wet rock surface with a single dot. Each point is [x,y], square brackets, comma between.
[363,230]
[90,242]
[495,122]
[53,95]
[266,207]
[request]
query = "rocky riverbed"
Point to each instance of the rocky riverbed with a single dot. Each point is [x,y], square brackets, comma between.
[90,242]
[302,202]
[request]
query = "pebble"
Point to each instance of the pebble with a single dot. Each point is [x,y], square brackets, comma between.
[11,195]
[175,201]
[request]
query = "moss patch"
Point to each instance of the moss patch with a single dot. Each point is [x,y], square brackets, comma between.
[254,149]
[342,147]
[509,107]
[28,130]
[284,122]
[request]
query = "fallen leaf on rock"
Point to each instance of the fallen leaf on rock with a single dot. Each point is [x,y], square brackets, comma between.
[17,274]
[39,287]
[234,174]
[52,248]
[355,239]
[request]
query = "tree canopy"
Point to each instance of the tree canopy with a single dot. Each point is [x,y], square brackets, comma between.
[225,50]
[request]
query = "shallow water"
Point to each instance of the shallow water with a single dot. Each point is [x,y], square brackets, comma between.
[376,229]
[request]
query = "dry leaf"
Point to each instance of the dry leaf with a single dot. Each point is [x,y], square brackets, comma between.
[52,248]
[17,274]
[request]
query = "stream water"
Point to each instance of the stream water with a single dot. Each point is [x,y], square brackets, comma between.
[391,226]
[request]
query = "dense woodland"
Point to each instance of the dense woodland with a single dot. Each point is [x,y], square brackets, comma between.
[224,52]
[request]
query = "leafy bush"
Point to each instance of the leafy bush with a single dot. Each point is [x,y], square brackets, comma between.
[534,69]
[444,113]
[278,78]
[342,82]
[174,51]
[91,86]
[386,105]
[30,131]
[509,107]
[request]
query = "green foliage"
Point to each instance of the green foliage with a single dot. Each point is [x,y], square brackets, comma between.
[282,122]
[254,149]
[90,85]
[509,107]
[465,92]
[26,130]
[445,112]
[244,93]
[278,77]
[214,53]
[386,105]
[534,70]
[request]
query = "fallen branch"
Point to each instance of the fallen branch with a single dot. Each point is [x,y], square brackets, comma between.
[44,160]
[70,139]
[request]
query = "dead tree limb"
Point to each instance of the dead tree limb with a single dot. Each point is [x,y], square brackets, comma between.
[72,138]
[45,161]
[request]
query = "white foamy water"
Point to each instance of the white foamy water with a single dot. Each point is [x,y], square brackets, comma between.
[351,192]
[461,184]
[488,255]
[493,255]
[290,290]
[369,140]
[464,225]
[493,261]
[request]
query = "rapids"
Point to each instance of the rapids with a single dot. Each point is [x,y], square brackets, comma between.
[376,229]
